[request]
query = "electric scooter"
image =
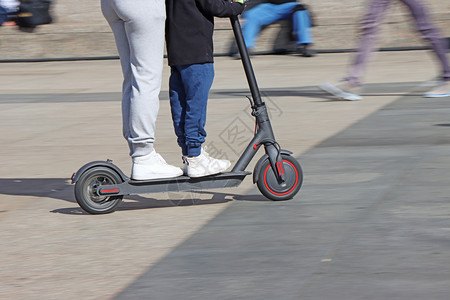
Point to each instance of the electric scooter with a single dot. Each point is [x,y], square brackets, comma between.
[100,185]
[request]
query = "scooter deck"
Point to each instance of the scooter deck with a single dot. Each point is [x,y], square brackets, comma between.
[181,183]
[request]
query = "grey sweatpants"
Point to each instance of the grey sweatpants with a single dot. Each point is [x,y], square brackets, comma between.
[370,23]
[138,27]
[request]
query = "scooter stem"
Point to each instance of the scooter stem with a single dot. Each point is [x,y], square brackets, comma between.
[265,133]
[251,79]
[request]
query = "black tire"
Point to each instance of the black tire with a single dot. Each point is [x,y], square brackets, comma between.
[268,184]
[87,186]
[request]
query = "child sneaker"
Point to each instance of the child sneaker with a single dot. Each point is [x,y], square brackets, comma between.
[204,165]
[343,90]
[442,90]
[153,166]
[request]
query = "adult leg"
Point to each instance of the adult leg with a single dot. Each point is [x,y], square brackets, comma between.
[301,22]
[255,19]
[369,26]
[349,87]
[118,28]
[144,22]
[300,19]
[430,33]
[138,27]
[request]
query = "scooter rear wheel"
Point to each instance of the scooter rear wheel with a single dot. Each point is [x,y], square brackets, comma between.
[88,185]
[269,186]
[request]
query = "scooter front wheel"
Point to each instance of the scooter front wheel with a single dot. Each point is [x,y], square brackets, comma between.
[88,185]
[268,183]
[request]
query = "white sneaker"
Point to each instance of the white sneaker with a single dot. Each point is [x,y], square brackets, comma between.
[342,90]
[153,166]
[442,90]
[204,165]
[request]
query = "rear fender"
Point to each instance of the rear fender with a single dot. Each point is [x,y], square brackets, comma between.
[98,163]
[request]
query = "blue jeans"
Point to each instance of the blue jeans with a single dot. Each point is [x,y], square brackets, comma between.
[267,13]
[189,87]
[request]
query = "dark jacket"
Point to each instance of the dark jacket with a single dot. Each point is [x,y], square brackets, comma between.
[190,26]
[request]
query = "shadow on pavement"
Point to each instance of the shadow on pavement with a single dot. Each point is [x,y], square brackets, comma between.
[62,189]
[58,188]
[315,94]
[251,198]
[138,202]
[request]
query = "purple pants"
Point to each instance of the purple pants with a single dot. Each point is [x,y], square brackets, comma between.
[372,20]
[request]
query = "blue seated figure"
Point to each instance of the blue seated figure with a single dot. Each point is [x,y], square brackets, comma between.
[8,10]
[270,11]
[3,15]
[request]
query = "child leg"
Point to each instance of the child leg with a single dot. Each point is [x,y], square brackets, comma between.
[189,89]
[177,98]
[190,85]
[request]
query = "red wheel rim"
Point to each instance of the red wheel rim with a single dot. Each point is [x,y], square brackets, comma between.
[285,193]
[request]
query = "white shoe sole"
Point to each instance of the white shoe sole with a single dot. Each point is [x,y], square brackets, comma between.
[436,95]
[209,173]
[331,89]
[157,176]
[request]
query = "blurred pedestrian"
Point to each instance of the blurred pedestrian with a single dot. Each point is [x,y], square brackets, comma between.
[8,8]
[10,5]
[348,87]
[189,39]
[3,15]
[138,27]
[269,11]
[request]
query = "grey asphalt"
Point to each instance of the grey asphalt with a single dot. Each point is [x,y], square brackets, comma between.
[372,221]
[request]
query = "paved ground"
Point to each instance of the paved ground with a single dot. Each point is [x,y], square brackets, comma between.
[371,221]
